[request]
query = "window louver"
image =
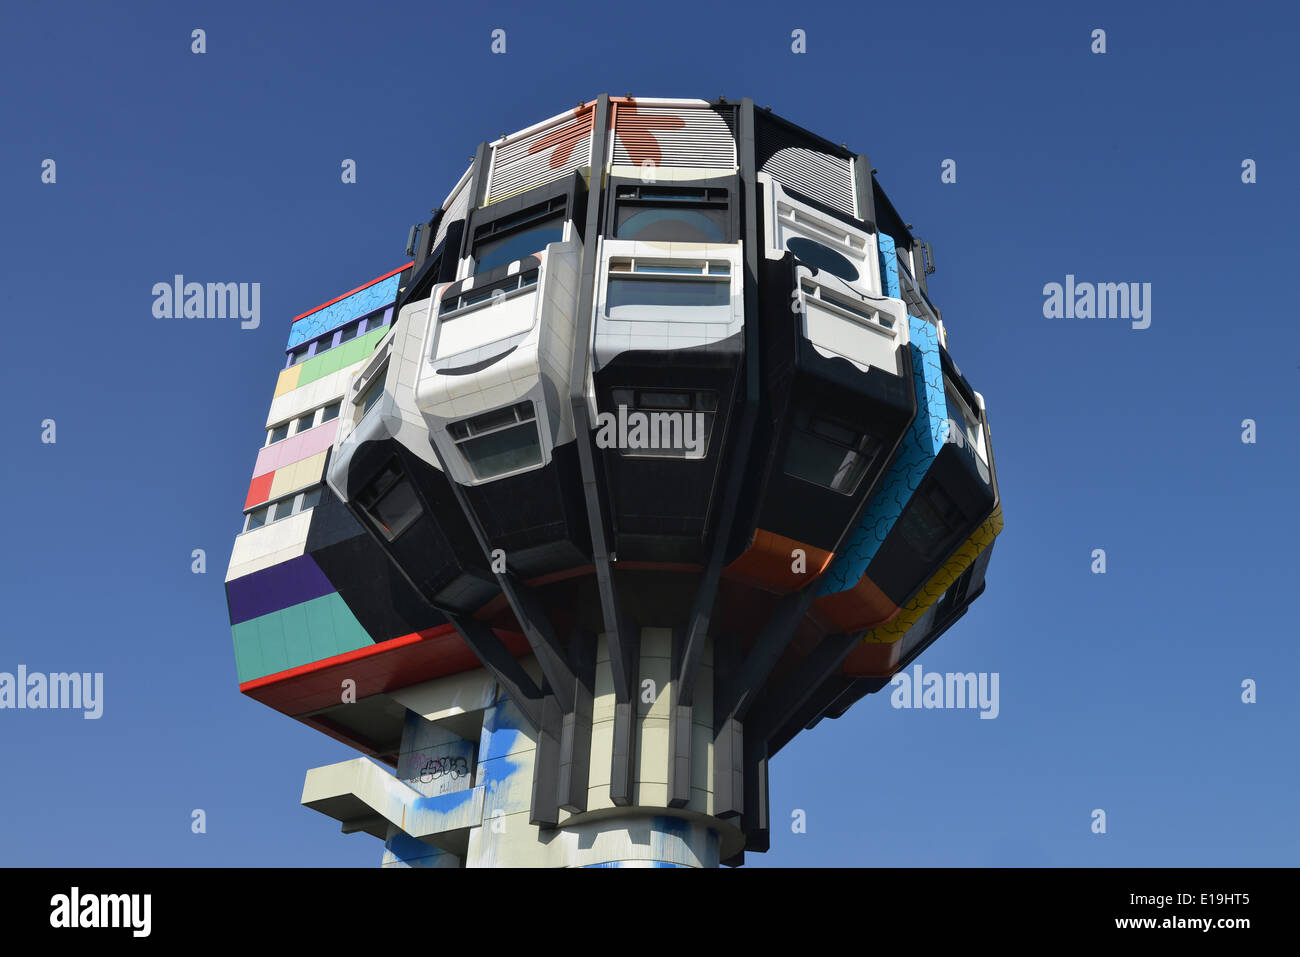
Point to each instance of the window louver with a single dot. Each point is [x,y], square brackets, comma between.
[455,210]
[541,157]
[674,136]
[815,173]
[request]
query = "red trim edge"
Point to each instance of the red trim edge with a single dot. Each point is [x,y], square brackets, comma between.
[364,285]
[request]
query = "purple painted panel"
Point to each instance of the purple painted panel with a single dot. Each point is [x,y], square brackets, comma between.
[289,583]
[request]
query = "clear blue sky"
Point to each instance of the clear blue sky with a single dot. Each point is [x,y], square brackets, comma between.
[1118,691]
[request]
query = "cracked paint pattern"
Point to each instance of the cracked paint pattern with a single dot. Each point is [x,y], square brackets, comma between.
[337,314]
[942,580]
[922,444]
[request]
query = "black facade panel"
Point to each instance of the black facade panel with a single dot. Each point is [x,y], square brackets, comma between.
[537,518]
[800,381]
[899,568]
[437,552]
[662,508]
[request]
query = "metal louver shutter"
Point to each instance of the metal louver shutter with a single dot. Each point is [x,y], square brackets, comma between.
[456,208]
[541,157]
[792,162]
[675,136]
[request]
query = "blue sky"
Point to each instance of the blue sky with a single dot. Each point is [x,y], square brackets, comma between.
[1119,691]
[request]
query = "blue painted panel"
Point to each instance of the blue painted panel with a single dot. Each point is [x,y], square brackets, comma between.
[922,443]
[344,311]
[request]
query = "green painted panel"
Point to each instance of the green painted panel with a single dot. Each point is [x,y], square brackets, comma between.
[340,357]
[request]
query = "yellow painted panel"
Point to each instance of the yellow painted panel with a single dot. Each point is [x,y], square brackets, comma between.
[290,478]
[942,580]
[288,381]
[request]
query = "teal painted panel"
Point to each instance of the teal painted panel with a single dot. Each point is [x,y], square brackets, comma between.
[296,636]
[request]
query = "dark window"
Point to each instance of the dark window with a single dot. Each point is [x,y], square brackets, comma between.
[665,423]
[831,454]
[472,297]
[823,257]
[504,240]
[930,521]
[671,214]
[372,395]
[667,292]
[390,501]
[499,442]
[857,307]
[953,598]
[963,421]
[331,412]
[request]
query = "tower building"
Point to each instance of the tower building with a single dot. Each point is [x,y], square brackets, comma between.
[649,456]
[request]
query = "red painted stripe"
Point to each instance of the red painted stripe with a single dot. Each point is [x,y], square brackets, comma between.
[364,285]
[259,489]
[425,656]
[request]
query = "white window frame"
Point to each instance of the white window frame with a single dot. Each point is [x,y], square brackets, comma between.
[295,499]
[537,432]
[671,271]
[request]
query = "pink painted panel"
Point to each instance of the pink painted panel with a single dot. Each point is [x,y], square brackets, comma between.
[295,448]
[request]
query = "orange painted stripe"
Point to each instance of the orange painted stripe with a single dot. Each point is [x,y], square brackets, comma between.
[364,285]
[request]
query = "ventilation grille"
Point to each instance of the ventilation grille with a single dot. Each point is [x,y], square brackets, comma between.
[542,156]
[792,162]
[674,136]
[456,208]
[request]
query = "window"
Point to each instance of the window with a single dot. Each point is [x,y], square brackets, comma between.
[499,442]
[372,394]
[299,354]
[952,599]
[828,453]
[308,420]
[855,307]
[390,501]
[817,256]
[502,288]
[504,240]
[664,423]
[930,521]
[283,508]
[349,332]
[671,214]
[963,419]
[669,291]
